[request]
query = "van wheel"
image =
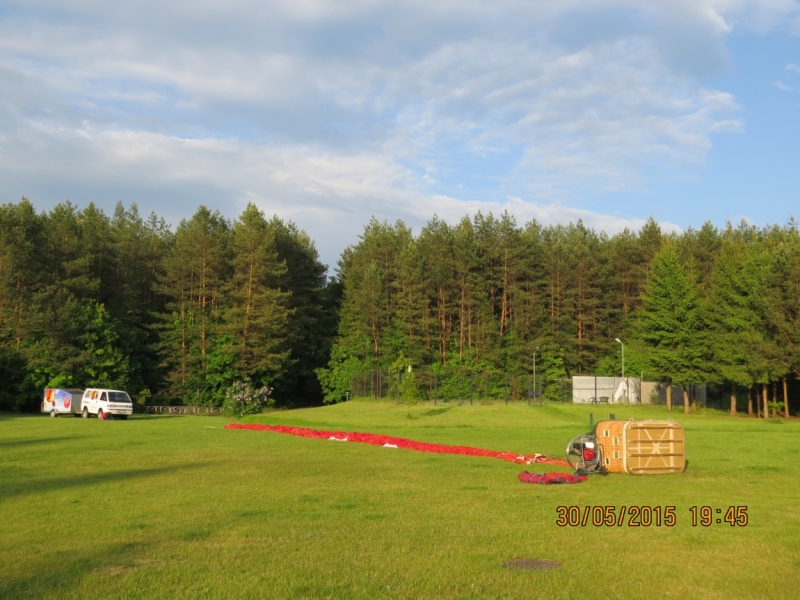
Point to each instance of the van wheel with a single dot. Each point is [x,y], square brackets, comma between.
[85,413]
[100,413]
[53,413]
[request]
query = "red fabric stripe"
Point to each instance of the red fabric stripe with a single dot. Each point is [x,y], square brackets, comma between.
[381,440]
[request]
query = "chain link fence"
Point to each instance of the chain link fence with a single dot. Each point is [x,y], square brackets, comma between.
[482,386]
[457,385]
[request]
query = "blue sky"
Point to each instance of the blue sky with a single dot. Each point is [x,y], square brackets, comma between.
[327,113]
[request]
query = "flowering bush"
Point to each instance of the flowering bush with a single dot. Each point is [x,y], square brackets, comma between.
[243,399]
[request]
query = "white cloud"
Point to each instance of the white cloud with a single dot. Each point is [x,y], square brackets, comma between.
[331,111]
[332,196]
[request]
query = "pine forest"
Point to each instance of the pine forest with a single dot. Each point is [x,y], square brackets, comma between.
[183,315]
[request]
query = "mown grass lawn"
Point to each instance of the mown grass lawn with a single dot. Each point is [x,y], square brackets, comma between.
[162,507]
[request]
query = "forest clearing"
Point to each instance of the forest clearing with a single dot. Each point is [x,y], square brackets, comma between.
[177,506]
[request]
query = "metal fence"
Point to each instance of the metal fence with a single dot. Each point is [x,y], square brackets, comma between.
[459,385]
[183,410]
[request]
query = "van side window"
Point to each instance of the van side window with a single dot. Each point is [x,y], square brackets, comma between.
[103,397]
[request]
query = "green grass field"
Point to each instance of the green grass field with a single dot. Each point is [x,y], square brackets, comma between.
[163,507]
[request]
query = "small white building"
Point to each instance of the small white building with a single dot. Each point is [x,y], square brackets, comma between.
[588,389]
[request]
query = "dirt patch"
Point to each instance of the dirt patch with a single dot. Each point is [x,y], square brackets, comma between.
[116,570]
[531,564]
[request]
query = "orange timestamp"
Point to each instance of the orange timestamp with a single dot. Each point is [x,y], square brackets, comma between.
[734,515]
[646,516]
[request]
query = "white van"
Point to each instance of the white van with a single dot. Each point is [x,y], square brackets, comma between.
[115,404]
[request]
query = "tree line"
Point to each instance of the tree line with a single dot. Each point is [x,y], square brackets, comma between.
[706,306]
[123,301]
[183,315]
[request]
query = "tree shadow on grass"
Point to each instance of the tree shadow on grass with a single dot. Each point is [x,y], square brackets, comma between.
[436,411]
[21,488]
[39,441]
[57,574]
[10,416]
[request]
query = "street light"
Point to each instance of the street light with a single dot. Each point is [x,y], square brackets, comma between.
[627,399]
[534,370]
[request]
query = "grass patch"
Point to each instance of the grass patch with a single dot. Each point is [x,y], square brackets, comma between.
[157,507]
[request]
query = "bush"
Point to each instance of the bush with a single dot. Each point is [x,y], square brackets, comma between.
[243,399]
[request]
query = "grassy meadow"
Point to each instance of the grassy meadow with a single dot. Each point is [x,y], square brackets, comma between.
[178,507]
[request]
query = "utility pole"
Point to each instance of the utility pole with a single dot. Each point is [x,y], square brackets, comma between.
[627,399]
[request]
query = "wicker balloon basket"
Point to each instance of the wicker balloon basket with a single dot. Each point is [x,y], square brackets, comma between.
[641,447]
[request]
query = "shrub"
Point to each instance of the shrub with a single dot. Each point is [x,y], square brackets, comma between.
[243,399]
[409,392]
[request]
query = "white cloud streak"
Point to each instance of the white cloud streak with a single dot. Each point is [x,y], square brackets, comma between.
[328,112]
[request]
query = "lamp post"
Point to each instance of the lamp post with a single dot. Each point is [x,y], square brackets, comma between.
[627,399]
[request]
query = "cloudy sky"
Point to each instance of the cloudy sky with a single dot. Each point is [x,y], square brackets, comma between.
[326,112]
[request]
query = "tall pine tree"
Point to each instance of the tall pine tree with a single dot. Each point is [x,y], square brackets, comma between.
[672,327]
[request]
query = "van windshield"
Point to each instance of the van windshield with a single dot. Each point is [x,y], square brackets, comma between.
[118,397]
